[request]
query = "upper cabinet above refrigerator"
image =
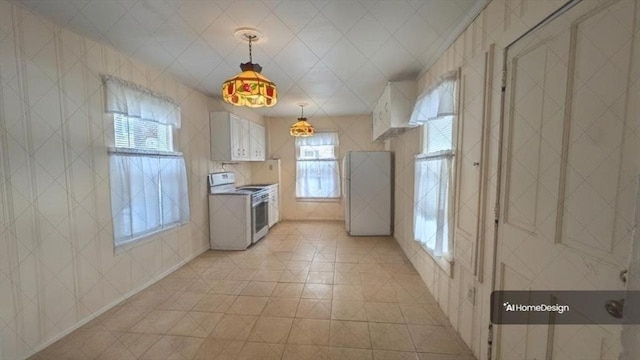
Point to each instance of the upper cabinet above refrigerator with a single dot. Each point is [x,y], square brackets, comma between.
[392,113]
[236,139]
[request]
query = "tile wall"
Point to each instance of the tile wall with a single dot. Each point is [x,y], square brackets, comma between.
[57,262]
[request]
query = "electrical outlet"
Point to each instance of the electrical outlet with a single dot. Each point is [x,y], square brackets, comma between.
[471,294]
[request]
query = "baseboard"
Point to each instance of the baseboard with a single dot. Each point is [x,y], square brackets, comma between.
[109,306]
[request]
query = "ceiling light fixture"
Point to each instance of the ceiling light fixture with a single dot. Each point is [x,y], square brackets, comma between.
[249,88]
[302,127]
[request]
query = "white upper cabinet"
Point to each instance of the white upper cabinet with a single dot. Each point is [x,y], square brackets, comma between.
[392,112]
[235,139]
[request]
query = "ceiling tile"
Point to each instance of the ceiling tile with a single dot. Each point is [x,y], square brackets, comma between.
[441,15]
[392,14]
[151,14]
[175,36]
[199,14]
[344,59]
[297,58]
[369,4]
[416,4]
[271,4]
[248,12]
[154,52]
[394,61]
[296,13]
[127,35]
[220,35]
[104,13]
[368,35]
[320,35]
[367,83]
[320,83]
[416,35]
[276,35]
[346,102]
[199,58]
[344,14]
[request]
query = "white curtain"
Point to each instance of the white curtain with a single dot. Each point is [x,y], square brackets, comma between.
[317,179]
[148,193]
[317,170]
[431,225]
[436,102]
[134,101]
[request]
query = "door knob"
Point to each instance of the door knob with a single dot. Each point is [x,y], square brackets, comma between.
[615,308]
[476,163]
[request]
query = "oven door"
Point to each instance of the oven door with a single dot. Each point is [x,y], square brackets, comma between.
[260,218]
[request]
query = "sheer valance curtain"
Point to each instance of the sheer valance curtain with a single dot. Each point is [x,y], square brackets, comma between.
[134,101]
[437,102]
[435,109]
[149,189]
[317,170]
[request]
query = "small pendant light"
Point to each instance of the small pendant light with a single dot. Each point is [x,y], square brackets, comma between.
[301,127]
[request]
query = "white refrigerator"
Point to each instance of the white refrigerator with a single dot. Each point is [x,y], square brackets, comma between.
[368,193]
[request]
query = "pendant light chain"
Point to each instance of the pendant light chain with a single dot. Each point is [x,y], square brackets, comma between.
[250,40]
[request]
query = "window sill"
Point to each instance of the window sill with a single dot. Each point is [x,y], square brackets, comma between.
[143,239]
[337,199]
[444,262]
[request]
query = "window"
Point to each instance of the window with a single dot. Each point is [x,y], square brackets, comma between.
[132,133]
[433,179]
[148,179]
[317,171]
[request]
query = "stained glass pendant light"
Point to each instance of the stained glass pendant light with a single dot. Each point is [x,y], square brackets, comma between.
[302,127]
[249,88]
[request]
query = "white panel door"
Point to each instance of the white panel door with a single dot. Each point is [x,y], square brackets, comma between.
[570,168]
[370,193]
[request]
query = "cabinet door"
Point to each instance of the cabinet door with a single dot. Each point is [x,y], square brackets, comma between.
[274,209]
[257,142]
[244,137]
[235,137]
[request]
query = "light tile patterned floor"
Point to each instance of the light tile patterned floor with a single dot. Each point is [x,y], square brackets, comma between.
[306,291]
